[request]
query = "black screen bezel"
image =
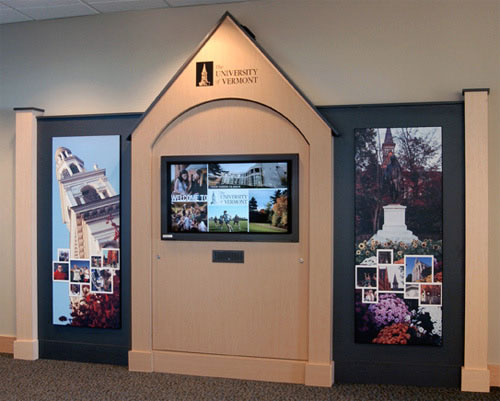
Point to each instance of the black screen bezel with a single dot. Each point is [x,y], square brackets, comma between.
[293,203]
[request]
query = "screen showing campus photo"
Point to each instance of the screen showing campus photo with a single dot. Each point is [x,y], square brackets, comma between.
[235,197]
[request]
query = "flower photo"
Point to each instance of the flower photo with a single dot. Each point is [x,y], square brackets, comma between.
[398,230]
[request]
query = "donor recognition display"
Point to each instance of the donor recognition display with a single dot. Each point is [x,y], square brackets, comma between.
[86,231]
[231,198]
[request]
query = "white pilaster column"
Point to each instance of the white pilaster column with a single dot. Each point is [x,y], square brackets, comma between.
[26,344]
[475,373]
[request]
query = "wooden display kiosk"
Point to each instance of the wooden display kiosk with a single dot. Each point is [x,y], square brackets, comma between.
[269,318]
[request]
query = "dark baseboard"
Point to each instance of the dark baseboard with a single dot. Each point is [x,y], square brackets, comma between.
[83,352]
[371,372]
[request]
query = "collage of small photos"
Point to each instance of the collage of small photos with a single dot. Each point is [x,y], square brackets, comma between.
[412,277]
[87,276]
[229,197]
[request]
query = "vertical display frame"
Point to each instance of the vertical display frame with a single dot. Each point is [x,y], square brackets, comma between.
[81,343]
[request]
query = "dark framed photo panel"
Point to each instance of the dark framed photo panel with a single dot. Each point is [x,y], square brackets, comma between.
[86,161]
[230,198]
[407,225]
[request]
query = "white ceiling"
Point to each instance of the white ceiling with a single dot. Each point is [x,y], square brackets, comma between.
[34,10]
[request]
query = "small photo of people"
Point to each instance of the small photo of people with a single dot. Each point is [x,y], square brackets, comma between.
[430,294]
[384,256]
[110,258]
[366,277]
[60,271]
[74,290]
[63,255]
[370,296]
[96,261]
[188,182]
[85,290]
[189,217]
[228,218]
[79,271]
[102,280]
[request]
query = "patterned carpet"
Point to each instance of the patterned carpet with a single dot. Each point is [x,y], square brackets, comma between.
[59,380]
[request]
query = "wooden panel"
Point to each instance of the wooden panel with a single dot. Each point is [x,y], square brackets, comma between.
[26,345]
[7,344]
[258,308]
[310,307]
[140,361]
[141,248]
[274,370]
[475,374]
[494,375]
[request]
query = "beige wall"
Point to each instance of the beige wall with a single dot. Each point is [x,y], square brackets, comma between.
[337,52]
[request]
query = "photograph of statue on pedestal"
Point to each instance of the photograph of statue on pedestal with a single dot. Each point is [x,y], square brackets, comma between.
[86,231]
[399,230]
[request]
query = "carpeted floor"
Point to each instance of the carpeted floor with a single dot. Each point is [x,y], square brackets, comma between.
[59,380]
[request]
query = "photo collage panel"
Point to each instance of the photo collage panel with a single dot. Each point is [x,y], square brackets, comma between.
[86,231]
[229,197]
[398,236]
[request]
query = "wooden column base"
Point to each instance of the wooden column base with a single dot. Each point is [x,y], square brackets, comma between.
[320,375]
[140,361]
[7,344]
[476,380]
[494,375]
[26,349]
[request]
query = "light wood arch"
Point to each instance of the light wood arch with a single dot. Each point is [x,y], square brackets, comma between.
[232,49]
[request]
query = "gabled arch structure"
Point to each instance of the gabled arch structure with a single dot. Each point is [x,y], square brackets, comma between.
[269,318]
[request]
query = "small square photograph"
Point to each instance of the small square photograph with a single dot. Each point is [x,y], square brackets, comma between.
[419,268]
[189,217]
[96,261]
[228,218]
[111,258]
[438,271]
[79,270]
[63,255]
[430,294]
[384,256]
[60,271]
[370,296]
[391,278]
[411,291]
[85,289]
[366,277]
[74,290]
[101,280]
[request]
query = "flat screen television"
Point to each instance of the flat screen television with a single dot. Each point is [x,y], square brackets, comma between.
[230,198]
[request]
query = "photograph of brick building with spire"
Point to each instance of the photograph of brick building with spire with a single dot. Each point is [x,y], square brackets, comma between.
[398,209]
[86,226]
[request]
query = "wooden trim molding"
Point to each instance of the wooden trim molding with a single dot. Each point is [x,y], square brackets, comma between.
[7,344]
[475,373]
[229,366]
[26,344]
[494,375]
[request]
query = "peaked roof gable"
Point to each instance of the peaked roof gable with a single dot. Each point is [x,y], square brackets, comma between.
[223,74]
